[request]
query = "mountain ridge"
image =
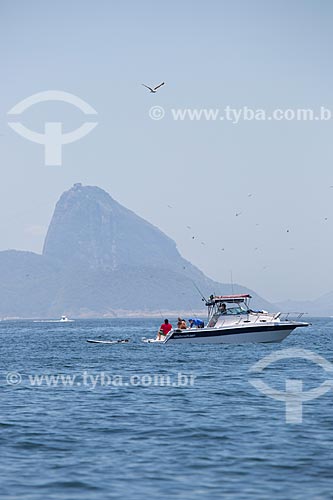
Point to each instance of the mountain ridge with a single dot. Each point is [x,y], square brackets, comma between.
[101,259]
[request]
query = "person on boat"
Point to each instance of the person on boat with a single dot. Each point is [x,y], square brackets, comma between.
[223,308]
[196,323]
[181,324]
[164,330]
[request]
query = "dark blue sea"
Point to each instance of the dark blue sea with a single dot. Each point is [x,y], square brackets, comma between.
[84,421]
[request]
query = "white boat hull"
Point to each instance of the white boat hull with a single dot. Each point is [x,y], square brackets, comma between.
[232,335]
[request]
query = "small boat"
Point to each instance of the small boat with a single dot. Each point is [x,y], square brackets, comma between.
[231,321]
[119,341]
[64,319]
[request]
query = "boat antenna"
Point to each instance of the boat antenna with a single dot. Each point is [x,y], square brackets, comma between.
[198,290]
[232,283]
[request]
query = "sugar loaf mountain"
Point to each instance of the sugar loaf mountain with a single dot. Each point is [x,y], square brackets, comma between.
[101,259]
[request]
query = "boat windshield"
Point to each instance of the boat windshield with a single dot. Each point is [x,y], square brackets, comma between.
[236,310]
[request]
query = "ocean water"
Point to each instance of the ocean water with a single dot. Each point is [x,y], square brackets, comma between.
[107,427]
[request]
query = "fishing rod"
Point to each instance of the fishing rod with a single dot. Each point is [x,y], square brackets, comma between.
[198,290]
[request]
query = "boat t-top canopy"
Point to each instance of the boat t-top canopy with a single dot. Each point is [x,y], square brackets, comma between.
[218,299]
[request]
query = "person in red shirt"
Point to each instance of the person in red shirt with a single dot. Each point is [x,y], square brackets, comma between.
[164,330]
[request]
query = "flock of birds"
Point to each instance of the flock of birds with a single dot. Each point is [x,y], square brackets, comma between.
[239,214]
[153,90]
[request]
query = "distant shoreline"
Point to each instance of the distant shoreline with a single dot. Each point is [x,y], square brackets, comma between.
[117,315]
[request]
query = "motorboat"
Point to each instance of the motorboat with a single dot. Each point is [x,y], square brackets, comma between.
[232,321]
[64,319]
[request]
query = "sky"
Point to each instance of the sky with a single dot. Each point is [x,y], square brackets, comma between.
[248,202]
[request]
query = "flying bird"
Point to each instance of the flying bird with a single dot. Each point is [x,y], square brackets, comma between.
[153,90]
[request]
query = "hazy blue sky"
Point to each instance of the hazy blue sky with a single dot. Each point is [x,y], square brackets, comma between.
[260,54]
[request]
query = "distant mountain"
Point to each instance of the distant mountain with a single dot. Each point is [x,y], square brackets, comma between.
[323,306]
[101,259]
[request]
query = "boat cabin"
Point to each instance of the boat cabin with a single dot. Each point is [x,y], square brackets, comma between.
[224,309]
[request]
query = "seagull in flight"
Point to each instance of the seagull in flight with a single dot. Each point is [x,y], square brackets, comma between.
[153,90]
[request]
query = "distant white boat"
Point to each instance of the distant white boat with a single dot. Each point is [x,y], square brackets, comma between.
[64,319]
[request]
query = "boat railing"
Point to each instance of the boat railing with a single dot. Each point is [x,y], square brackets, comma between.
[292,316]
[255,317]
[288,316]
